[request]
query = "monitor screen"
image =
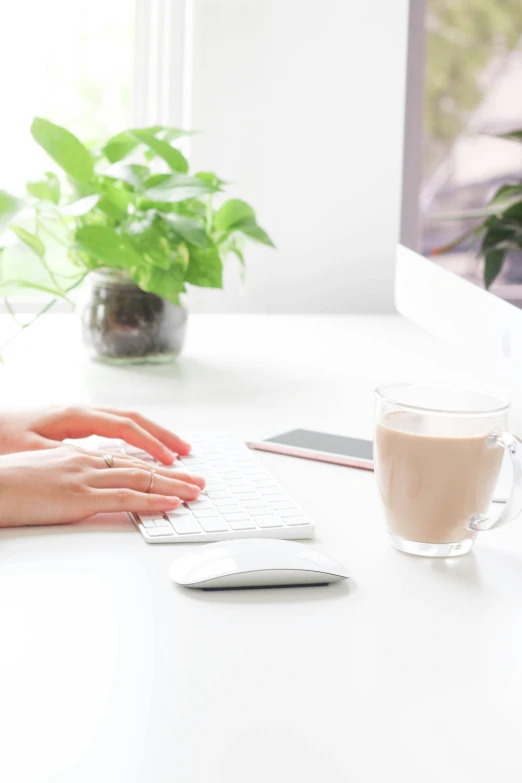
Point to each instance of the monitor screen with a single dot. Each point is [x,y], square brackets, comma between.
[471,171]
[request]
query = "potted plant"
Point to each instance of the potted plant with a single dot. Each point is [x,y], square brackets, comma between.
[497,236]
[128,214]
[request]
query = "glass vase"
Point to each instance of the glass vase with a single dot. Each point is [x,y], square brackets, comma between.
[124,325]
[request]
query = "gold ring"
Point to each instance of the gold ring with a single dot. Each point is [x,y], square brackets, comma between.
[109,460]
[152,480]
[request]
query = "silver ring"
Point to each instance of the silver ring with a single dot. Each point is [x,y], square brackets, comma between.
[109,460]
[152,480]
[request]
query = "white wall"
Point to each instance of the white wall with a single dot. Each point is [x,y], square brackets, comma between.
[301,103]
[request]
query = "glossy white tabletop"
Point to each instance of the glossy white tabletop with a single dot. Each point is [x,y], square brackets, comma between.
[111,673]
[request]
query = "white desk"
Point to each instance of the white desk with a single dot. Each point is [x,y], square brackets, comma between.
[110,673]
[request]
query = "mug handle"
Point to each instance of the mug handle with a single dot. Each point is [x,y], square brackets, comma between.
[480,522]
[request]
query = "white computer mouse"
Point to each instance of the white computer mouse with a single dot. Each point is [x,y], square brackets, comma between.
[256,562]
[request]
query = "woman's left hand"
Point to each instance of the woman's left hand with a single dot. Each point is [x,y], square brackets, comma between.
[44,428]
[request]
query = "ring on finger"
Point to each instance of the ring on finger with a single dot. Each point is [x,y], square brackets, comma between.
[152,480]
[108,459]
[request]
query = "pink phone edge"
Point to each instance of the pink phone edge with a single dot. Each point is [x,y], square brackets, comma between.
[318,456]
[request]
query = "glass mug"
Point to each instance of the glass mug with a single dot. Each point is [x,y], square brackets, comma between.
[437,454]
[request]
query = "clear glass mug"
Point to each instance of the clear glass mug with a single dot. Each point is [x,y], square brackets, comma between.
[437,455]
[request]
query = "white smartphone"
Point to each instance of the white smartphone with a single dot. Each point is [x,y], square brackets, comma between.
[320,446]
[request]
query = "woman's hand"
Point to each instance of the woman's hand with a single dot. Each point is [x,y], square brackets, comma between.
[68,484]
[44,428]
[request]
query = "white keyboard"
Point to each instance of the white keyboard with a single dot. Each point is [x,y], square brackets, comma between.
[240,500]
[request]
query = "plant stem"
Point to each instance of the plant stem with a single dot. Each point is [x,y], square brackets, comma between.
[52,235]
[39,226]
[42,312]
[12,312]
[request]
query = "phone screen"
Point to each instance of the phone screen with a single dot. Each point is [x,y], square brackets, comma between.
[322,441]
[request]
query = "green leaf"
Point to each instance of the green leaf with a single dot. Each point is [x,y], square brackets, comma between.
[32,241]
[515,135]
[231,212]
[506,193]
[210,179]
[122,144]
[205,268]
[253,231]
[115,201]
[493,262]
[165,283]
[64,148]
[47,189]
[106,245]
[171,134]
[513,212]
[178,187]
[495,208]
[9,206]
[496,233]
[150,239]
[82,206]
[119,146]
[190,228]
[156,179]
[172,156]
[131,173]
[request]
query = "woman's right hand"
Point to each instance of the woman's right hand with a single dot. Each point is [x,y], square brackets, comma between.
[68,484]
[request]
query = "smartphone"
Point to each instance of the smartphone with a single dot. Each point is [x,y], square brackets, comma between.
[320,446]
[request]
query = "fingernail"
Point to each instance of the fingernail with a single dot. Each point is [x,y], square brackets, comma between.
[195,488]
[173,502]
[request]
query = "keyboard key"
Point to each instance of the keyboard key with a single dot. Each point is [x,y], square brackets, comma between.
[233,508]
[282,504]
[203,503]
[242,524]
[153,518]
[297,521]
[186,526]
[239,483]
[245,494]
[213,525]
[257,503]
[287,513]
[220,502]
[268,520]
[160,531]
[260,510]
[181,511]
[269,491]
[237,517]
[220,495]
[263,483]
[149,523]
[204,512]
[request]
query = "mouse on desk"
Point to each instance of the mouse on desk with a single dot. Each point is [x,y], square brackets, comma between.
[254,563]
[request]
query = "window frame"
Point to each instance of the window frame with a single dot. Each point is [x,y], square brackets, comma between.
[160,92]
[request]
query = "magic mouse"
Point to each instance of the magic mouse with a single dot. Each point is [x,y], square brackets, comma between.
[256,562]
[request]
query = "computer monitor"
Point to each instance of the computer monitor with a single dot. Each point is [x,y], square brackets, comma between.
[440,301]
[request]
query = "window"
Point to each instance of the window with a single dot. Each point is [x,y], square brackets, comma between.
[72,63]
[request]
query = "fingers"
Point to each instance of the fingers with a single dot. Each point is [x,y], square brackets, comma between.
[109,500]
[126,461]
[112,425]
[169,439]
[139,480]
